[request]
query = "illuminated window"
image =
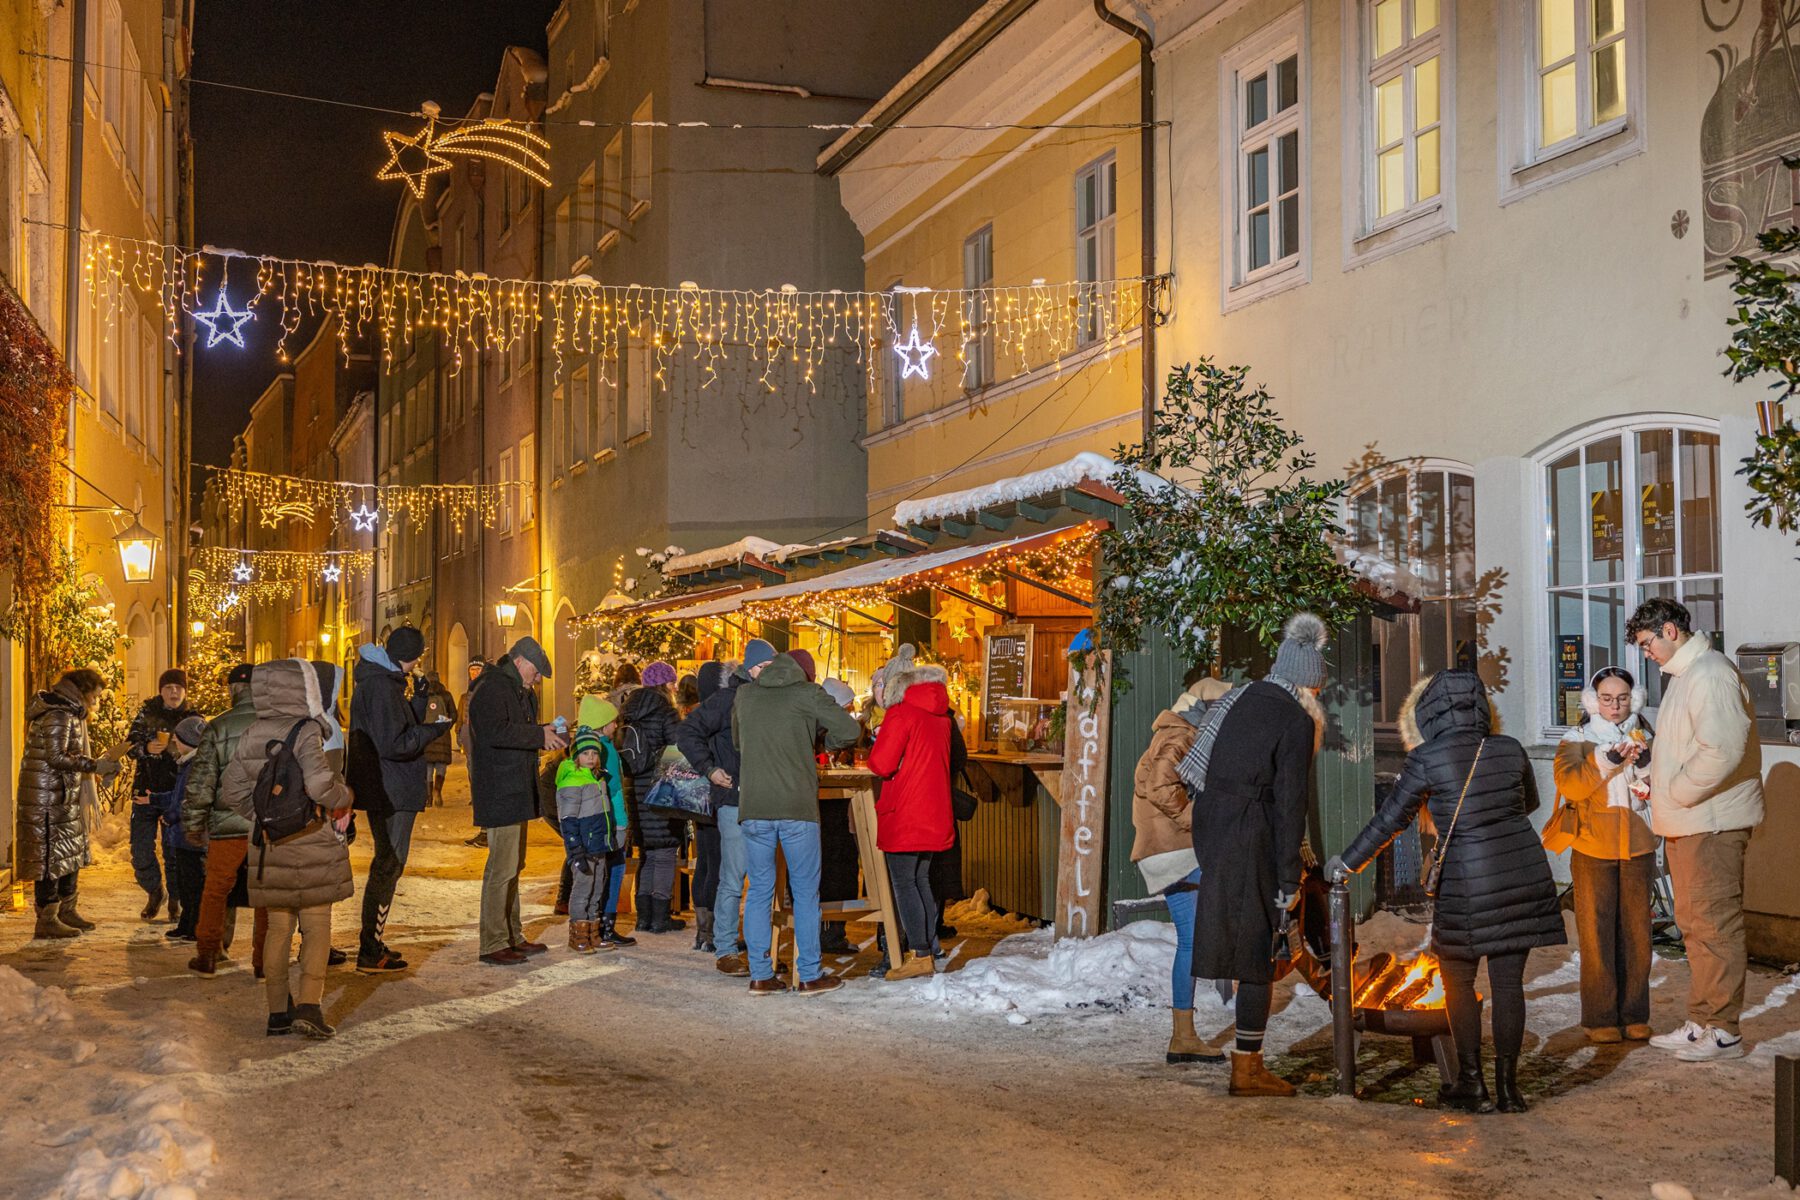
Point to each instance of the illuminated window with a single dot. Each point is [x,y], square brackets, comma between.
[1403,105]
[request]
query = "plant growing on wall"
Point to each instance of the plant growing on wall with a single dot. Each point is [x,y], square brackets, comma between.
[67,626]
[1242,542]
[35,387]
[1765,341]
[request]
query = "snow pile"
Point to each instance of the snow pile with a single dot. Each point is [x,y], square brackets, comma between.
[1082,467]
[1028,975]
[975,917]
[151,1151]
[23,1002]
[719,556]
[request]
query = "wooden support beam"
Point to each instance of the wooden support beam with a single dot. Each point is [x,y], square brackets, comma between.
[975,600]
[993,520]
[924,533]
[956,529]
[1037,514]
[1081,501]
[1041,586]
[871,617]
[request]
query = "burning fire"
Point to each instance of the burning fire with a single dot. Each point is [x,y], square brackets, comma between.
[1389,983]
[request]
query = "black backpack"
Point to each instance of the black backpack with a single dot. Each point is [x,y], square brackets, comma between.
[636,754]
[283,809]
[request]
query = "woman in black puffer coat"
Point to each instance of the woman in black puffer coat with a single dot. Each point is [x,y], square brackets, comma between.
[1496,899]
[647,728]
[51,828]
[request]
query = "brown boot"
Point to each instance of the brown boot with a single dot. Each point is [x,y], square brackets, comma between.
[49,924]
[916,965]
[68,915]
[1186,1046]
[580,939]
[1250,1078]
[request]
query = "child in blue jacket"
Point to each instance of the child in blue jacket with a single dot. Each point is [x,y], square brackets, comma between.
[187,857]
[590,810]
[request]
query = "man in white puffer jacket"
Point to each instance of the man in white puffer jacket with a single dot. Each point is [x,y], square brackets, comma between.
[1705,798]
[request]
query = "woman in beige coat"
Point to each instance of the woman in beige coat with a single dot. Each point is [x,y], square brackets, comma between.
[299,879]
[1602,773]
[1163,850]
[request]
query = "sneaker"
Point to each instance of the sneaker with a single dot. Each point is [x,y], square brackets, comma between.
[1711,1045]
[1679,1039]
[333,958]
[282,1023]
[310,1022]
[382,962]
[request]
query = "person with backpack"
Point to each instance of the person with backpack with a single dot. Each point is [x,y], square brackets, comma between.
[440,708]
[280,782]
[705,741]
[388,772]
[648,728]
[1162,810]
[207,817]
[148,739]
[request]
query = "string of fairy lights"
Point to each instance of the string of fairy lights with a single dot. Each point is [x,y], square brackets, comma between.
[243,566]
[277,498]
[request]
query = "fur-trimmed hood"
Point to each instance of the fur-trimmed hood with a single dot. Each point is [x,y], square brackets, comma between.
[932,684]
[1447,702]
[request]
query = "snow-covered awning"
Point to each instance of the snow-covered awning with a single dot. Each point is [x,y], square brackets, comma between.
[756,556]
[610,613]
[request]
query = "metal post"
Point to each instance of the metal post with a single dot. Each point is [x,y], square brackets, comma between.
[1343,1001]
[1787,1119]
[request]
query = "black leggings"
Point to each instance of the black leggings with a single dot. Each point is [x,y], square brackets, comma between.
[911,877]
[1506,979]
[55,891]
[706,864]
[1254,1000]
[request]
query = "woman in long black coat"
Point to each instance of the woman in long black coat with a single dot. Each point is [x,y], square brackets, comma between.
[1495,899]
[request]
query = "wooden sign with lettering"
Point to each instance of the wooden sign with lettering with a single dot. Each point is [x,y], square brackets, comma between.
[1081,852]
[1005,674]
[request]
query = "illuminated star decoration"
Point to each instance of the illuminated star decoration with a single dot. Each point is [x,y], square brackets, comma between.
[231,599]
[241,573]
[362,518]
[914,355]
[332,573]
[223,322]
[417,157]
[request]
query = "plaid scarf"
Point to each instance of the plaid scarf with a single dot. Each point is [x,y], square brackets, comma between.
[1192,767]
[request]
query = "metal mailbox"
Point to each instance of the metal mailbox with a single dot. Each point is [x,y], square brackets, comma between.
[1772,672]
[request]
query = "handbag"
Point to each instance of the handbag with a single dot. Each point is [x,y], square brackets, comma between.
[963,804]
[1435,872]
[681,793]
[1564,825]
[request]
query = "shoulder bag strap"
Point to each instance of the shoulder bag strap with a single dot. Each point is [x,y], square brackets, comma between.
[1444,844]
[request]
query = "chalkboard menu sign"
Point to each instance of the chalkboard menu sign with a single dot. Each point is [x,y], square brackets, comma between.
[1006,674]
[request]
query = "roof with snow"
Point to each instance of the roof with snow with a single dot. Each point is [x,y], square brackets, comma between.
[756,556]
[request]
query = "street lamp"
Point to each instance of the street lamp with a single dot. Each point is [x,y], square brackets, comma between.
[505,613]
[325,637]
[198,628]
[137,552]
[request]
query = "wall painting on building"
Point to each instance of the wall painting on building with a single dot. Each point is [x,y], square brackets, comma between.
[1752,123]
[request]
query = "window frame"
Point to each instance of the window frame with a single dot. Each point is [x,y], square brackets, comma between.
[611,182]
[893,383]
[581,404]
[603,438]
[640,383]
[642,157]
[1260,54]
[587,213]
[528,480]
[1102,234]
[151,179]
[1626,429]
[978,324]
[503,477]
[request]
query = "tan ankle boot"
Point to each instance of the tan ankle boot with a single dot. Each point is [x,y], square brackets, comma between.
[581,938]
[49,924]
[915,966]
[1250,1078]
[1186,1046]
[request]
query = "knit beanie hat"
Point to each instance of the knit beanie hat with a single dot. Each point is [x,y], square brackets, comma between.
[174,675]
[840,693]
[239,674]
[189,731]
[585,739]
[404,644]
[596,712]
[807,667]
[658,674]
[1299,659]
[756,653]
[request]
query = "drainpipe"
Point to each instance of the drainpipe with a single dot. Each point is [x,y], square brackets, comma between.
[1147,203]
[78,51]
[176,447]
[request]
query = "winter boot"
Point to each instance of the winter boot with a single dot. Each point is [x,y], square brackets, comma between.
[703,929]
[640,906]
[1186,1046]
[74,920]
[310,1022]
[174,909]
[1506,1084]
[1250,1078]
[152,905]
[1469,1093]
[833,939]
[206,965]
[610,937]
[660,920]
[49,923]
[578,937]
[916,965]
[667,918]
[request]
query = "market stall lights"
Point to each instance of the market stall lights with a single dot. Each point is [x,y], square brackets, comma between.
[137,552]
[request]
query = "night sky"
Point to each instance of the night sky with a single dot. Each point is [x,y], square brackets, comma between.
[296,177]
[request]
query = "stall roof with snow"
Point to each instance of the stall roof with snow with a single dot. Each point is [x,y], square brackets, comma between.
[1075,490]
[751,558]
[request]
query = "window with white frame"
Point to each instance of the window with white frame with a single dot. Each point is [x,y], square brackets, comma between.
[561,232]
[1579,46]
[1572,89]
[527,481]
[612,190]
[639,380]
[1267,210]
[109,371]
[581,414]
[1413,523]
[152,176]
[978,317]
[153,389]
[1406,82]
[505,477]
[131,364]
[112,57]
[640,158]
[1630,513]
[1096,256]
[94,67]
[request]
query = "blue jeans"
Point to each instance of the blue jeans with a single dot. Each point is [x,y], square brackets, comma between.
[147,830]
[799,843]
[615,879]
[733,866]
[1182,907]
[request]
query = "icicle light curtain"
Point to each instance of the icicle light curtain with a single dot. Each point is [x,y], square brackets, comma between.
[276,498]
[270,566]
[1028,326]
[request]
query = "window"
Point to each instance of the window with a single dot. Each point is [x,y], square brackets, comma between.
[640,158]
[131,129]
[581,414]
[978,320]
[152,176]
[612,191]
[1403,103]
[1415,523]
[1266,218]
[1630,514]
[586,213]
[559,267]
[1580,49]
[527,480]
[94,53]
[131,366]
[112,56]
[1571,89]
[109,370]
[606,403]
[505,477]
[1096,256]
[153,389]
[559,433]
[638,384]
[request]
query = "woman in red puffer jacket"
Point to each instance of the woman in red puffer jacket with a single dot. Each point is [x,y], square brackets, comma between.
[917,751]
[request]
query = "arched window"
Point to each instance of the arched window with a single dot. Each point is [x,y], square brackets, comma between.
[1414,522]
[1630,512]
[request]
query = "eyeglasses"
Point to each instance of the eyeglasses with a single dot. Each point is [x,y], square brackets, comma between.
[1644,642]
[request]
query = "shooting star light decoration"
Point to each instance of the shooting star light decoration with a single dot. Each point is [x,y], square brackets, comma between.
[417,157]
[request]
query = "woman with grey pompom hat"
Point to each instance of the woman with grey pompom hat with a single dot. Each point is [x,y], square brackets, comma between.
[1249,766]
